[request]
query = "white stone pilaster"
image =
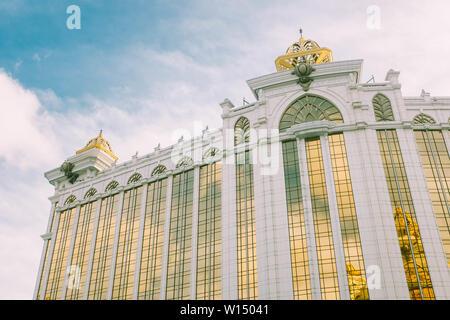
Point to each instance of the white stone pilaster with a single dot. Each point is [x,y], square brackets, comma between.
[45,248]
[229,229]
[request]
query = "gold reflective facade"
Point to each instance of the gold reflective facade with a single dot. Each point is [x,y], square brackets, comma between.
[80,255]
[103,251]
[180,238]
[153,241]
[322,222]
[127,246]
[436,165]
[58,264]
[209,243]
[246,233]
[410,241]
[296,219]
[356,272]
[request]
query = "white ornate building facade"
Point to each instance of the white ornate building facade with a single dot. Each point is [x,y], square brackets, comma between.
[323,188]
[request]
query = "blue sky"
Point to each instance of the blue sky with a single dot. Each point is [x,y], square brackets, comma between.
[143,70]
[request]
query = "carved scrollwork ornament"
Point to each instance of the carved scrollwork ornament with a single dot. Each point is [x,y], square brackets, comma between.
[303,71]
[67,168]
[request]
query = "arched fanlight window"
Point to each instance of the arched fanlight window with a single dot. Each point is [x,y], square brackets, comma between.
[382,108]
[309,108]
[158,170]
[185,162]
[241,131]
[112,185]
[70,199]
[423,118]
[90,193]
[134,178]
[211,153]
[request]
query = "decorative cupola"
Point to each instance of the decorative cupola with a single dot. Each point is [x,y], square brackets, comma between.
[95,157]
[303,51]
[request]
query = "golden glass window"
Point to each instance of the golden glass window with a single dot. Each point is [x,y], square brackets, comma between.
[296,219]
[241,131]
[80,256]
[127,245]
[58,263]
[322,222]
[382,108]
[356,274]
[134,178]
[111,186]
[436,165]
[153,241]
[246,232]
[90,193]
[209,244]
[309,108]
[104,242]
[184,162]
[423,118]
[410,241]
[158,170]
[180,237]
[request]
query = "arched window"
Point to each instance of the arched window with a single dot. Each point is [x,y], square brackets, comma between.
[241,131]
[90,193]
[158,170]
[134,178]
[309,108]
[185,162]
[382,108]
[423,118]
[70,199]
[211,153]
[112,185]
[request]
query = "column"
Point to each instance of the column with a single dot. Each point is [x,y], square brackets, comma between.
[194,240]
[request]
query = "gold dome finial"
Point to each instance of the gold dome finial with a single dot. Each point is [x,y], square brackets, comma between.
[303,51]
[100,143]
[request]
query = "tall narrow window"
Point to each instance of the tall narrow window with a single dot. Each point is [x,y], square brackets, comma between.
[101,264]
[322,221]
[436,165]
[60,254]
[152,241]
[127,245]
[80,256]
[410,241]
[209,245]
[356,273]
[296,219]
[180,237]
[246,233]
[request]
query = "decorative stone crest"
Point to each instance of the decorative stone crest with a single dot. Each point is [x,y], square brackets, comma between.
[302,71]
[67,168]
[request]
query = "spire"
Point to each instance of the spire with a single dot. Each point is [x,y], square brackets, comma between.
[100,143]
[303,51]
